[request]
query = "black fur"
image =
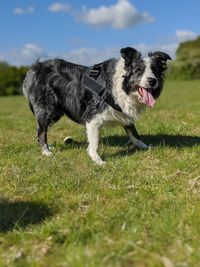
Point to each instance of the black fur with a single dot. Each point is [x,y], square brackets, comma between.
[129,54]
[56,89]
[159,66]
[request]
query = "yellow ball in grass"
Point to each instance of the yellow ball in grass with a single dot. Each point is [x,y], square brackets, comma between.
[68,140]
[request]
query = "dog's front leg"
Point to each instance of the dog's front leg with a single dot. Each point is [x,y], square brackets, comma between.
[134,136]
[93,140]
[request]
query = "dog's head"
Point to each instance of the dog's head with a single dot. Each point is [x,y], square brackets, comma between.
[144,76]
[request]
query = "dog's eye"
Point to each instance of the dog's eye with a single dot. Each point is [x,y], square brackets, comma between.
[138,71]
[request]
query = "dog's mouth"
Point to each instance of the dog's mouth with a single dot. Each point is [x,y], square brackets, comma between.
[145,96]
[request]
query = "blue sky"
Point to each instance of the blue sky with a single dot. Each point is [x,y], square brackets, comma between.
[90,31]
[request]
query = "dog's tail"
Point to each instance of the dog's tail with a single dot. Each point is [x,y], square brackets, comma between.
[30,77]
[28,81]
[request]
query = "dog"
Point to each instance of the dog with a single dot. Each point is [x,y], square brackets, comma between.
[113,92]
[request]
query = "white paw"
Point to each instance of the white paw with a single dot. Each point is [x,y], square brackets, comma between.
[95,157]
[142,145]
[47,153]
[99,161]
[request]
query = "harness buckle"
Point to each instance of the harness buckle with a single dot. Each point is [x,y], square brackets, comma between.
[93,72]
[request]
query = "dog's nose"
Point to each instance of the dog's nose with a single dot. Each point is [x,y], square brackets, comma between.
[152,81]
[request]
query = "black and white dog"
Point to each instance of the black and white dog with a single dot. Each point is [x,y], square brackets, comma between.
[112,92]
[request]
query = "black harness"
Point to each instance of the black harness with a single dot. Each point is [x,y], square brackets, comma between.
[94,82]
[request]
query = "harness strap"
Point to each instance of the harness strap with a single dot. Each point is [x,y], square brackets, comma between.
[93,86]
[90,81]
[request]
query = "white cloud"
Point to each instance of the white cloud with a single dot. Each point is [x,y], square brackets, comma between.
[184,35]
[167,48]
[31,50]
[27,54]
[77,41]
[90,56]
[87,56]
[59,7]
[21,11]
[119,16]
[24,55]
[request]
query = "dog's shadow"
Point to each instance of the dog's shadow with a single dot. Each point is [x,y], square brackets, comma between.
[178,141]
[164,140]
[20,214]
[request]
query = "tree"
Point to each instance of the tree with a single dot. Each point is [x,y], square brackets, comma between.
[11,79]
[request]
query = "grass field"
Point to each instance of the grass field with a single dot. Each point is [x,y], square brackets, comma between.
[141,209]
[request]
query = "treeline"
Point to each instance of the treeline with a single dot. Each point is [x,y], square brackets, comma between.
[11,79]
[187,63]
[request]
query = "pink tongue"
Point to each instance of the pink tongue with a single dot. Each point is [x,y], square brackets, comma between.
[148,98]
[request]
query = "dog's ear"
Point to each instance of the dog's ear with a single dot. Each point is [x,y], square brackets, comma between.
[161,58]
[129,54]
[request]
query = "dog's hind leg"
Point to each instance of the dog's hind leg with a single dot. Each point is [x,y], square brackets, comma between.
[42,140]
[134,136]
[93,140]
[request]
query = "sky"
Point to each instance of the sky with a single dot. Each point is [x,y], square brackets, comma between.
[87,32]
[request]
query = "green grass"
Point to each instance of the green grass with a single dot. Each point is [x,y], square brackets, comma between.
[140,209]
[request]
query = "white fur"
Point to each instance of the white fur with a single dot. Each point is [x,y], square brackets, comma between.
[148,73]
[128,103]
[47,153]
[93,140]
[111,117]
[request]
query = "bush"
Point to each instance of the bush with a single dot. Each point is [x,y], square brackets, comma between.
[184,70]
[187,63]
[11,79]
